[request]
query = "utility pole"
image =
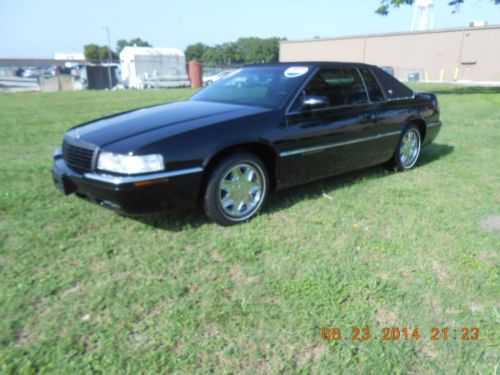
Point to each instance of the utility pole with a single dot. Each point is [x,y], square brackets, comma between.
[109,58]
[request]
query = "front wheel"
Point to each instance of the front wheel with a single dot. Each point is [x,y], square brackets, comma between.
[408,151]
[236,189]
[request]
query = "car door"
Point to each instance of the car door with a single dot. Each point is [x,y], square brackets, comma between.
[389,117]
[393,112]
[338,137]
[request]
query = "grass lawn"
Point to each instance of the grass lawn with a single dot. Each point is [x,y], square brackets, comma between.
[84,290]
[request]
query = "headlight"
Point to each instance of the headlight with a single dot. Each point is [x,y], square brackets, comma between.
[130,164]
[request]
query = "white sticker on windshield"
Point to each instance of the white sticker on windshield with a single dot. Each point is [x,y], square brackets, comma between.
[296,71]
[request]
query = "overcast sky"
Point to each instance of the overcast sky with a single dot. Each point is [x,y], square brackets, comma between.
[31,28]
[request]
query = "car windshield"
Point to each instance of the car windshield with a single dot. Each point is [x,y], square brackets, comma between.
[258,86]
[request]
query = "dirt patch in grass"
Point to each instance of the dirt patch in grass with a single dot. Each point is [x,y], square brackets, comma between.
[452,311]
[383,276]
[213,330]
[162,307]
[312,354]
[440,270]
[236,274]
[136,340]
[217,258]
[476,308]
[488,257]
[491,223]
[384,316]
[239,277]
[74,289]
[223,361]
[179,348]
[4,261]
[428,352]
[24,338]
[430,300]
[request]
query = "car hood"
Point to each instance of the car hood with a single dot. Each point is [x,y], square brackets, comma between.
[177,117]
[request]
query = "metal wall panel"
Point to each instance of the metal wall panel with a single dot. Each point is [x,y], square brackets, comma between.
[439,55]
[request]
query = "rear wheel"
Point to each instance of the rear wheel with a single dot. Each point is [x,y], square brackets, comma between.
[408,151]
[236,189]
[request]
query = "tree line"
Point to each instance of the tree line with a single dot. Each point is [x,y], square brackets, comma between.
[250,50]
[244,51]
[96,52]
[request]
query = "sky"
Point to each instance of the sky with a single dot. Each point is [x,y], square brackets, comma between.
[38,29]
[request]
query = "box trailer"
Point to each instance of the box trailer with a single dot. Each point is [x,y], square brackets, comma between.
[144,67]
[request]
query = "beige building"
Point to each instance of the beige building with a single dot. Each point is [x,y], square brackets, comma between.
[469,54]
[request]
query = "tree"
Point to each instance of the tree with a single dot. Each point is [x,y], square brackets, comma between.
[195,51]
[257,51]
[97,53]
[245,50]
[91,51]
[383,9]
[232,53]
[138,42]
[214,55]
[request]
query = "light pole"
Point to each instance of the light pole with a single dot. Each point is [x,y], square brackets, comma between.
[109,57]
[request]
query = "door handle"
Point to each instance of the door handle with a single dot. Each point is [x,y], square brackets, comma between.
[370,117]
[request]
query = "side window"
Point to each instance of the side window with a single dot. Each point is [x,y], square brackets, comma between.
[342,86]
[393,89]
[372,86]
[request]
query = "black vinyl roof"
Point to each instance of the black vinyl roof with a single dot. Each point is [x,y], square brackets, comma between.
[392,87]
[315,64]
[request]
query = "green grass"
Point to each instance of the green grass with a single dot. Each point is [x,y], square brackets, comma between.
[84,290]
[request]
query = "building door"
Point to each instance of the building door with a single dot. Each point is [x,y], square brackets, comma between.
[468,69]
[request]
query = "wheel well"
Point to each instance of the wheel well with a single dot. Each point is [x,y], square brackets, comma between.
[264,152]
[421,126]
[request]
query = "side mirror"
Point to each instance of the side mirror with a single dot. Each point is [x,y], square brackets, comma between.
[314,101]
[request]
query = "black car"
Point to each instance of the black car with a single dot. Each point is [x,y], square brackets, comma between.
[233,142]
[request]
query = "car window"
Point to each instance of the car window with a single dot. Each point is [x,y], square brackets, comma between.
[394,90]
[342,86]
[261,86]
[374,91]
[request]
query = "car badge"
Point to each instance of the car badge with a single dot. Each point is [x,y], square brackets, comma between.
[78,135]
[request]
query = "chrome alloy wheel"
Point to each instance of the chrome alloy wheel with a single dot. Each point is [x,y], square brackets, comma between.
[409,148]
[241,190]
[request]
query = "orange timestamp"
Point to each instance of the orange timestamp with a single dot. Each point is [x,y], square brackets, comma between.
[397,334]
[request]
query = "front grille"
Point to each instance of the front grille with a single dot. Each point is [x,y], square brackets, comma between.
[78,156]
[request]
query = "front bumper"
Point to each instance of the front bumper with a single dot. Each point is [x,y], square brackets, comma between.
[141,194]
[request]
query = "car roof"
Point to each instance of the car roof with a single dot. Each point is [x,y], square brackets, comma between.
[315,64]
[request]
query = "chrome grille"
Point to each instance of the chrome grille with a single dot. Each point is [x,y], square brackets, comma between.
[78,156]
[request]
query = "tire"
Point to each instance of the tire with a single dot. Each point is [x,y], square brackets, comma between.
[236,190]
[408,150]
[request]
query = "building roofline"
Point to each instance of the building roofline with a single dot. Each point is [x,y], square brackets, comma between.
[18,62]
[437,31]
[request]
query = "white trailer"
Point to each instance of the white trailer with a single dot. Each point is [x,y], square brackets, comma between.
[143,67]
